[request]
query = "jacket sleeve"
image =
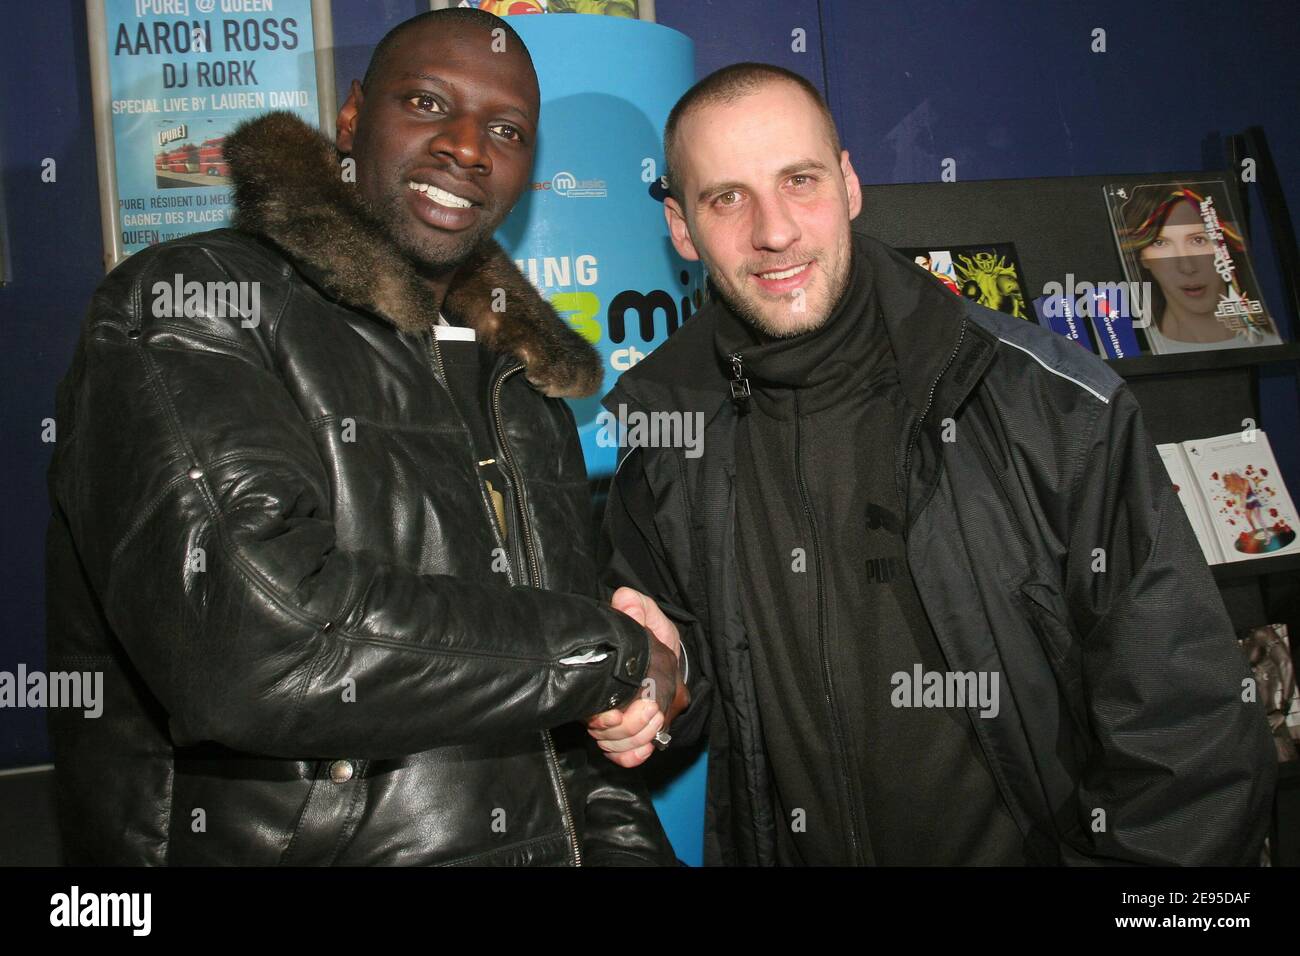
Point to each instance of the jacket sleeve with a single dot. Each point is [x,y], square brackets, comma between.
[633,554]
[201,509]
[1182,769]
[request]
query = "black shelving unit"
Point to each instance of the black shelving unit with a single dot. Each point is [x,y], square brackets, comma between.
[1162,381]
[1182,362]
[1254,567]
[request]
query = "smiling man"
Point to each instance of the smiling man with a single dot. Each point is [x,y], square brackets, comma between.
[330,552]
[940,603]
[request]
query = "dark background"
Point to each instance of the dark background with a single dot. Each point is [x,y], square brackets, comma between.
[1007,89]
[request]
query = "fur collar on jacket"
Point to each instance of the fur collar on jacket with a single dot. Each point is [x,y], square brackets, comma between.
[289,188]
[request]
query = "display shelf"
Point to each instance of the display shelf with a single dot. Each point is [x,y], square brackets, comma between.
[1255,567]
[1181,362]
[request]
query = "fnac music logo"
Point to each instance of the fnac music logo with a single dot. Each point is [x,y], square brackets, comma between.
[563,182]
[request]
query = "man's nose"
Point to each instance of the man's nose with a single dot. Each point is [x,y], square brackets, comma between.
[773,226]
[462,139]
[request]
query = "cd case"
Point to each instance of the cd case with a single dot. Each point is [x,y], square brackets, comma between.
[1191,281]
[990,274]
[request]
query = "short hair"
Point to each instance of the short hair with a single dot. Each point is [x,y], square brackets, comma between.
[450,18]
[725,86]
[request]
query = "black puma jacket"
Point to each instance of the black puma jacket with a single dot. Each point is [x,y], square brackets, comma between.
[1122,735]
[270,534]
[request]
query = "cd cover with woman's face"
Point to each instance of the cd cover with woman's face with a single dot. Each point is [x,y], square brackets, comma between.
[1184,250]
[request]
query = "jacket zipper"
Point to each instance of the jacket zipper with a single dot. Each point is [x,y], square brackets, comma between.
[929,401]
[989,756]
[552,761]
[535,580]
[845,778]
[510,465]
[436,351]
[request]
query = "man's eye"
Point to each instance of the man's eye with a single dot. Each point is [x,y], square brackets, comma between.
[800,179]
[422,101]
[723,197]
[518,135]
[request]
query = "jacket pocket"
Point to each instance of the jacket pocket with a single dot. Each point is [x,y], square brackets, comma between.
[291,846]
[1047,615]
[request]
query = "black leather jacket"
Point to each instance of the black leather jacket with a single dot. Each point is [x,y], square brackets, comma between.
[269,533]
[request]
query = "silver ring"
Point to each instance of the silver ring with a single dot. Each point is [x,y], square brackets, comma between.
[663,739]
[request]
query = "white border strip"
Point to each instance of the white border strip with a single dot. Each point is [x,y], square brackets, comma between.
[101,107]
[322,32]
[1087,388]
[36,768]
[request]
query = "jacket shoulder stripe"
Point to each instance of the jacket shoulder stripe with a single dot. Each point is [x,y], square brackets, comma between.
[1058,355]
[1056,371]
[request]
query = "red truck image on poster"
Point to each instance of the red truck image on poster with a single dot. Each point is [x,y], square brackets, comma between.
[205,158]
[211,161]
[182,159]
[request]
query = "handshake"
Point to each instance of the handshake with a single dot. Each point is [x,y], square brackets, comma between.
[627,735]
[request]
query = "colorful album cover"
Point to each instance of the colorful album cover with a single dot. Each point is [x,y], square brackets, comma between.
[1268,650]
[1186,259]
[990,274]
[1247,504]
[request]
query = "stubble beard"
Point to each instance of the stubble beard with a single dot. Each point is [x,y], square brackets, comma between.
[749,310]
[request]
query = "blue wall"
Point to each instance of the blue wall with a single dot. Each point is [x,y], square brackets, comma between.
[55,258]
[1012,89]
[1006,88]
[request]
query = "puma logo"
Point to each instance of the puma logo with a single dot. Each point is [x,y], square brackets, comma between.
[878,517]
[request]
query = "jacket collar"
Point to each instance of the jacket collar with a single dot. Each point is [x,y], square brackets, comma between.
[940,352]
[289,188]
[821,369]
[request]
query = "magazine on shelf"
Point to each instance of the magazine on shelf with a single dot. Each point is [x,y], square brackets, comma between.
[1057,312]
[1234,496]
[1104,312]
[989,273]
[1268,651]
[1186,258]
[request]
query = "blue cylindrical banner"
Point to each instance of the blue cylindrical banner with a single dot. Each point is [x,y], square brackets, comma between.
[590,232]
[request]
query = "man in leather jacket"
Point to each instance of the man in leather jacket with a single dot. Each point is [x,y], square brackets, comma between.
[338,580]
[940,601]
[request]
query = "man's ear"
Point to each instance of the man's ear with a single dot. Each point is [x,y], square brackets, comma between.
[346,124]
[678,231]
[851,184]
